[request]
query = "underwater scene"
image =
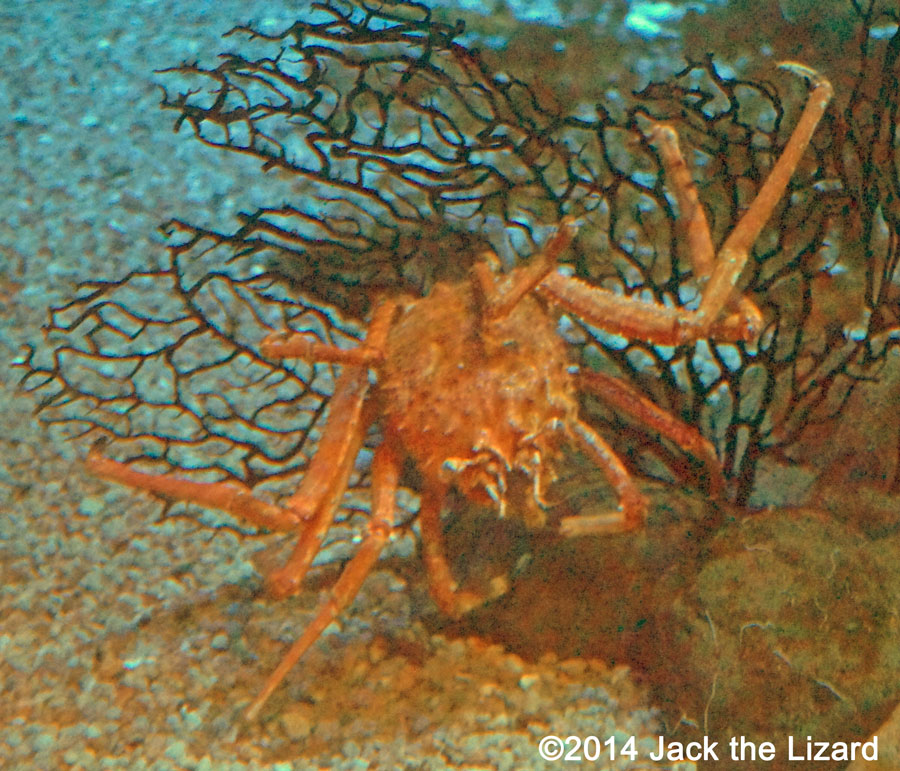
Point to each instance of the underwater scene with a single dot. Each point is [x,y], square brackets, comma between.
[430,385]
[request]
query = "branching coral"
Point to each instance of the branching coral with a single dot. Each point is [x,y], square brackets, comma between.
[410,157]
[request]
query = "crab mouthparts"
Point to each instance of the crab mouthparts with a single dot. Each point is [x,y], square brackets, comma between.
[488,476]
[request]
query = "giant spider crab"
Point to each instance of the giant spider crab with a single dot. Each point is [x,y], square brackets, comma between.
[471,383]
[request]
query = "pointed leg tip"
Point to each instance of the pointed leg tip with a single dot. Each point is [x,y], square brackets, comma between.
[803,70]
[662,132]
[813,77]
[569,226]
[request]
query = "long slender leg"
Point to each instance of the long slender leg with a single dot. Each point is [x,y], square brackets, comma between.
[313,506]
[691,213]
[385,474]
[305,345]
[319,494]
[724,272]
[230,497]
[736,249]
[444,590]
[673,326]
[634,318]
[505,291]
[626,398]
[632,505]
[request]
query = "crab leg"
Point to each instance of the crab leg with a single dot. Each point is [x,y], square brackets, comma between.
[313,506]
[628,399]
[322,488]
[736,249]
[305,345]
[700,247]
[231,497]
[319,494]
[674,326]
[521,281]
[444,590]
[632,505]
[385,474]
[633,318]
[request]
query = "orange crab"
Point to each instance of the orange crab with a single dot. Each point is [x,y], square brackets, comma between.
[472,385]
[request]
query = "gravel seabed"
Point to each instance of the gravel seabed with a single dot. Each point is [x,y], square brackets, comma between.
[125,644]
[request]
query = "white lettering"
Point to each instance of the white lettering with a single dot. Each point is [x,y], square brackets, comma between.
[676,751]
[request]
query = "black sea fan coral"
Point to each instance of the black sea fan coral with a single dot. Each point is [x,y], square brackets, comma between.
[410,158]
